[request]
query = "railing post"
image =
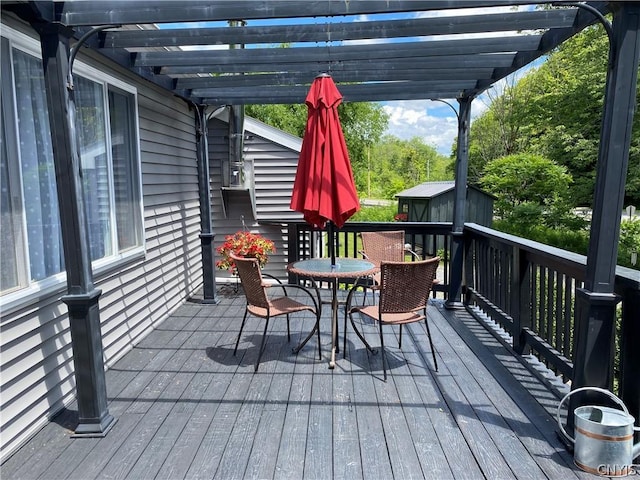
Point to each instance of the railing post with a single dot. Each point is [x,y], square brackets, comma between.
[469,264]
[293,248]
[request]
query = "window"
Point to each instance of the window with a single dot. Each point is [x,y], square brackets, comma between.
[31,239]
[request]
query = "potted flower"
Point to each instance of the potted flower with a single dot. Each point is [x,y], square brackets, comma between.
[244,244]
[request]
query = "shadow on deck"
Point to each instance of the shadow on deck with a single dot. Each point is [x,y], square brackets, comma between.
[187,408]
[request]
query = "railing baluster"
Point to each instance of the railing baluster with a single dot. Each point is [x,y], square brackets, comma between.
[568,316]
[551,280]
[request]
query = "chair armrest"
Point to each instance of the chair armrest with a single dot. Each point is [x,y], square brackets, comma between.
[407,248]
[272,277]
[364,255]
[365,282]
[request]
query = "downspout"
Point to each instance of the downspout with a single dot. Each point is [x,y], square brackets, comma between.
[237,175]
[236,133]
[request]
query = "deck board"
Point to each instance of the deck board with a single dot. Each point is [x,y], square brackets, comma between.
[186,407]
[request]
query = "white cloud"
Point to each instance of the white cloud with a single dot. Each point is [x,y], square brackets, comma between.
[433,122]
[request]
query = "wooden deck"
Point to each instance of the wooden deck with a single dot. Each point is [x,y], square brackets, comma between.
[187,408]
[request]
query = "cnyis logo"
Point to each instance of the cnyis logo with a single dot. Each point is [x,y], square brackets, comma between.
[615,470]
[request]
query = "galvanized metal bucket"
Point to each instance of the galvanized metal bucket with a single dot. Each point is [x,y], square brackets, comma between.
[603,437]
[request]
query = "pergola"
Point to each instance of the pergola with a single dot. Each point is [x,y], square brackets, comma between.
[374,50]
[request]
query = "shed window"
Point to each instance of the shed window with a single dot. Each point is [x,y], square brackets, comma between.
[31,237]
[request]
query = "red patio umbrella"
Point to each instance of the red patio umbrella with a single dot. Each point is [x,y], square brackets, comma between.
[324,190]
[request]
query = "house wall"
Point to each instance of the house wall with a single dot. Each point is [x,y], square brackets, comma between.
[274,168]
[36,361]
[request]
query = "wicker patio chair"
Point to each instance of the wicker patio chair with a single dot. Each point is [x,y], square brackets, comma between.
[383,246]
[261,304]
[404,293]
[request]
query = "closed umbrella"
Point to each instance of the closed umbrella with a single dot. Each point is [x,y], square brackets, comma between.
[324,190]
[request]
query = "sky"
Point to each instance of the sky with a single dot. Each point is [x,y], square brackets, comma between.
[435,123]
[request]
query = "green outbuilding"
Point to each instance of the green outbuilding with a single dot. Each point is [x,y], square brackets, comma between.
[433,202]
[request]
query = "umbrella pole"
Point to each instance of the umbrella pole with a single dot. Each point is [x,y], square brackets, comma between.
[332,243]
[334,295]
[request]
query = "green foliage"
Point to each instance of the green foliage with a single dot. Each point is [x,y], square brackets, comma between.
[382,167]
[362,125]
[573,240]
[528,188]
[629,243]
[396,165]
[375,214]
[556,111]
[289,118]
[497,133]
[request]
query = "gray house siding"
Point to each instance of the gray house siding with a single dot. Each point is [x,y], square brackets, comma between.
[36,354]
[274,167]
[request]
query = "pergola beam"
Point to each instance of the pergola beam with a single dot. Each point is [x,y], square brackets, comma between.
[305,78]
[335,32]
[348,96]
[118,13]
[460,62]
[391,51]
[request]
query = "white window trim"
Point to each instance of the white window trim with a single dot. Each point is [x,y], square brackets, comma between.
[15,299]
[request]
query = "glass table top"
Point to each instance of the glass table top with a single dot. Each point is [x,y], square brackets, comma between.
[342,265]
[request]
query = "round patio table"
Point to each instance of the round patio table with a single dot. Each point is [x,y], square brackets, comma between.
[324,269]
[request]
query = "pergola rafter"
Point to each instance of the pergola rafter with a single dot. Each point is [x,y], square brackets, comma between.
[357,42]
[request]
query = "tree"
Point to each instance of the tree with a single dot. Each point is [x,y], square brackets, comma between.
[399,164]
[289,118]
[629,247]
[498,132]
[528,188]
[362,124]
[556,111]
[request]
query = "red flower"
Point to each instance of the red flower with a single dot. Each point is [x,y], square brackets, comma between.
[244,244]
[401,217]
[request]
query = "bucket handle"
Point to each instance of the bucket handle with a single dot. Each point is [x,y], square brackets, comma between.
[582,389]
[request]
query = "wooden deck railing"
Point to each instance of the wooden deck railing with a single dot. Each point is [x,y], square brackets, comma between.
[526,287]
[426,239]
[530,289]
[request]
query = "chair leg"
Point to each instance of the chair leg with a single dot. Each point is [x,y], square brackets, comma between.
[433,351]
[384,357]
[400,337]
[262,343]
[244,319]
[347,308]
[361,335]
[288,329]
[318,331]
[344,332]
